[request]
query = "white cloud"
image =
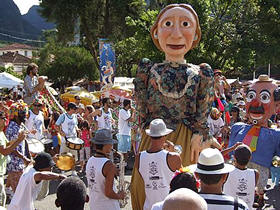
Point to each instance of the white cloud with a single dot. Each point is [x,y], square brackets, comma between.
[24,5]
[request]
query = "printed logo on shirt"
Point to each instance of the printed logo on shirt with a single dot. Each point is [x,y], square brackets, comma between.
[107,121]
[91,178]
[153,168]
[38,126]
[242,184]
[71,127]
[155,187]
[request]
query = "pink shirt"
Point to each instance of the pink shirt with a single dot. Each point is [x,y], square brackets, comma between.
[86,137]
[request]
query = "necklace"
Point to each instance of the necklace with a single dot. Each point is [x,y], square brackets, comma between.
[176,95]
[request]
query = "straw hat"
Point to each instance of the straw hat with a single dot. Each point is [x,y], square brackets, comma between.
[211,161]
[158,128]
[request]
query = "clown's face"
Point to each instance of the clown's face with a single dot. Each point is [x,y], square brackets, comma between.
[260,104]
[176,32]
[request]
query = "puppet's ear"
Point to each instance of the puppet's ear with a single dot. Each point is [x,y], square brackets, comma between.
[155,34]
[276,94]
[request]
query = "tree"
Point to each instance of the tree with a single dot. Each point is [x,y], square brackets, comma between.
[63,64]
[238,36]
[99,19]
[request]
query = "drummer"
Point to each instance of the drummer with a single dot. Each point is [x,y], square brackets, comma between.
[19,158]
[35,120]
[67,126]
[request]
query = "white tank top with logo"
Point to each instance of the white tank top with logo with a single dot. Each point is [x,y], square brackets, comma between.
[69,125]
[241,184]
[105,120]
[96,184]
[156,174]
[35,122]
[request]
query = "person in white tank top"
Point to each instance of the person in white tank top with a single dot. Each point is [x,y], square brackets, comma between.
[67,126]
[104,115]
[35,120]
[241,182]
[156,165]
[100,173]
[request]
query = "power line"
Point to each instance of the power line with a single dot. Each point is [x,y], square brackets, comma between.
[19,33]
[28,40]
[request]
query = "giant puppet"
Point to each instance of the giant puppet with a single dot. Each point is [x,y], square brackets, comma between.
[178,92]
[262,101]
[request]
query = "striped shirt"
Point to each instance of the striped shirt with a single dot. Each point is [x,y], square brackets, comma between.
[222,202]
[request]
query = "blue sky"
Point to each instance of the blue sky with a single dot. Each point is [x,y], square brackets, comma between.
[24,5]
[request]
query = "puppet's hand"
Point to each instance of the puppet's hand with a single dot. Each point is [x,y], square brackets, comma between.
[213,143]
[195,147]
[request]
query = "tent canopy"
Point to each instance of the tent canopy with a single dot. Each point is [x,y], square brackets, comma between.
[9,81]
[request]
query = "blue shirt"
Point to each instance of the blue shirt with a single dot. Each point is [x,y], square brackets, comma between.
[61,118]
[268,142]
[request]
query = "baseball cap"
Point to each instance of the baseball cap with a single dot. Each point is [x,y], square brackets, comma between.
[72,105]
[43,160]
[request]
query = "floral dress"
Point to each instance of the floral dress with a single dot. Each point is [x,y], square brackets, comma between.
[176,93]
[181,95]
[16,165]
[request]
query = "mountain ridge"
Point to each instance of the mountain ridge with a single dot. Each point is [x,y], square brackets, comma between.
[15,27]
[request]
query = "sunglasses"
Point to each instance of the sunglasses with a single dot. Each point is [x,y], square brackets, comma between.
[38,105]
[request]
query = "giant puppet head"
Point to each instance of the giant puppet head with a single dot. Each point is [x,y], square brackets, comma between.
[262,100]
[176,31]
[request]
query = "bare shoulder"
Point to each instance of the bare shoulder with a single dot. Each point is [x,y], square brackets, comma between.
[174,161]
[108,167]
[174,156]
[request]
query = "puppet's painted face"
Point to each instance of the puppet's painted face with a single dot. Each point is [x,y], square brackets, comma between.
[176,32]
[260,104]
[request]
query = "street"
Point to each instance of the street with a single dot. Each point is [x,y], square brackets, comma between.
[273,195]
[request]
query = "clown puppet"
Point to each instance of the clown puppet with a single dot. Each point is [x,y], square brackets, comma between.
[262,101]
[178,92]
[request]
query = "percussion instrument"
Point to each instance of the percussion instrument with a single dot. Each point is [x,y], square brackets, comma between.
[65,161]
[35,146]
[48,143]
[74,143]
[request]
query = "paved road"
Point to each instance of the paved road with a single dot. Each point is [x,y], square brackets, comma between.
[273,195]
[48,202]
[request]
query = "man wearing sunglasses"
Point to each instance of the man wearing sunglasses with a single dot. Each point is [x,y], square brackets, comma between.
[35,120]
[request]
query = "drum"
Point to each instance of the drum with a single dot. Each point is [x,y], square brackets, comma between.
[74,143]
[35,146]
[65,161]
[48,143]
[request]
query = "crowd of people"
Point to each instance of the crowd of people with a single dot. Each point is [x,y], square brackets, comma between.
[221,132]
[160,166]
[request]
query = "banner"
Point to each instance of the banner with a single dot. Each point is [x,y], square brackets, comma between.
[107,62]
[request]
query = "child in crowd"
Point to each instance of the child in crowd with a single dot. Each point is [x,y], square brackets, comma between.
[242,181]
[55,136]
[216,124]
[85,151]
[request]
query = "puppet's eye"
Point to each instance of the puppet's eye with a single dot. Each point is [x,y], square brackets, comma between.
[185,23]
[265,97]
[168,23]
[250,95]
